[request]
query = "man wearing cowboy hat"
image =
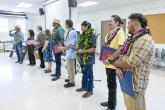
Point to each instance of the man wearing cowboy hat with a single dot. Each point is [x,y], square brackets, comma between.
[57,40]
[18,39]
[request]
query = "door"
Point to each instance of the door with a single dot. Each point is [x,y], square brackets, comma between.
[105,29]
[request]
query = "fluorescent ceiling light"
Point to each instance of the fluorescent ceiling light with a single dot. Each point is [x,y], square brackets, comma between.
[48,1]
[17,10]
[24,5]
[88,3]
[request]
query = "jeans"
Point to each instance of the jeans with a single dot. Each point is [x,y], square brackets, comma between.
[58,64]
[87,78]
[18,48]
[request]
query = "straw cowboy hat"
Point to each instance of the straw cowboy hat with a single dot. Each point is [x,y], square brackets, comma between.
[18,26]
[57,21]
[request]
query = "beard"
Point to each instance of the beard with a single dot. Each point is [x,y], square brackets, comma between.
[131,30]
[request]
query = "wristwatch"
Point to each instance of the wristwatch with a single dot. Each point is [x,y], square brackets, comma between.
[110,61]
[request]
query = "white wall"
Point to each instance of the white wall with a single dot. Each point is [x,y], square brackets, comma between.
[74,17]
[58,10]
[95,17]
[35,20]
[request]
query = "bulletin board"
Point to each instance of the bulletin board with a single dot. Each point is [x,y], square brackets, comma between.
[156,24]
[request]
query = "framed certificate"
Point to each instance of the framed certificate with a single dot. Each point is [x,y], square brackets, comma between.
[106,52]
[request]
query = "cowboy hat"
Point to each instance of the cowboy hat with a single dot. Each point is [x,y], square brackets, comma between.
[18,26]
[57,21]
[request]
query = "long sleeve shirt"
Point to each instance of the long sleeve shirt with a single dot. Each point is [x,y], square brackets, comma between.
[18,36]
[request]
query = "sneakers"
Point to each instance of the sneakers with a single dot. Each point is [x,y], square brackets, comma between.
[67,80]
[80,89]
[68,85]
[55,78]
[110,109]
[32,64]
[17,61]
[53,75]
[104,104]
[87,94]
[21,62]
[47,71]
[42,66]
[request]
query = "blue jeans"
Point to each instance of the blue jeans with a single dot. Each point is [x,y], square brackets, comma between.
[87,78]
[18,48]
[58,64]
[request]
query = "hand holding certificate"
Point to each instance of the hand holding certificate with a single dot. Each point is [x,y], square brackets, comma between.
[31,42]
[56,49]
[126,83]
[125,77]
[106,52]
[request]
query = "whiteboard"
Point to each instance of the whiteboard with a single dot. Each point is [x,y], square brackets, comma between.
[58,10]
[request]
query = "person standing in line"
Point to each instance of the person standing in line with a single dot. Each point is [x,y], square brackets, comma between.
[136,54]
[114,39]
[18,39]
[40,40]
[70,49]
[57,40]
[30,47]
[47,51]
[86,57]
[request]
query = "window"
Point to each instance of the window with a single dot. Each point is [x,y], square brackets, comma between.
[21,22]
[4,28]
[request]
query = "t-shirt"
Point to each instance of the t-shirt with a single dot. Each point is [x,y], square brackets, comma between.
[93,45]
[57,35]
[116,43]
[41,39]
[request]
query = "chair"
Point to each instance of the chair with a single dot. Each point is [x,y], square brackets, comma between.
[156,60]
[163,56]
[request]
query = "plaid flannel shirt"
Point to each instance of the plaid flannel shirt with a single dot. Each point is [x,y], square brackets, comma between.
[139,57]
